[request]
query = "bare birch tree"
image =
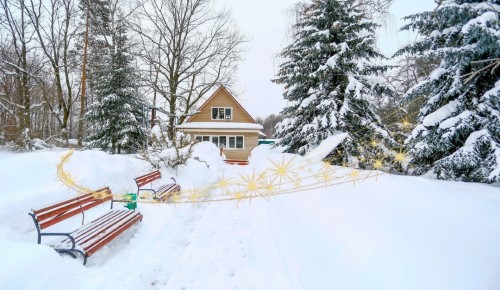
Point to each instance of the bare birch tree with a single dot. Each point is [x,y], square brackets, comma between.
[190,46]
[54,27]
[17,35]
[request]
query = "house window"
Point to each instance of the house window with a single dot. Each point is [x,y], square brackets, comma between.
[236,142]
[222,113]
[202,138]
[215,140]
[222,141]
[239,141]
[230,142]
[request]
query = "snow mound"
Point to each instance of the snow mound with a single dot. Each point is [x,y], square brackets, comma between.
[209,153]
[22,267]
[326,147]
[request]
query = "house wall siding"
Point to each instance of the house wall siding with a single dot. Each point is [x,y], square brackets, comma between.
[250,142]
[222,99]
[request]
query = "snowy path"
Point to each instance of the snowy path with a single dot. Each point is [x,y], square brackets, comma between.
[390,233]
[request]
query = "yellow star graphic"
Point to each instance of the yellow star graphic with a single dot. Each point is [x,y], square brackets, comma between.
[176,197]
[222,183]
[194,195]
[282,170]
[377,164]
[251,185]
[406,123]
[400,156]
[354,175]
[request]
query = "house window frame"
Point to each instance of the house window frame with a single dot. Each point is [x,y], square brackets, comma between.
[223,119]
[210,138]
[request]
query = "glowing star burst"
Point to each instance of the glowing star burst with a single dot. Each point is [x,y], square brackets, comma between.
[377,164]
[406,123]
[222,183]
[176,197]
[374,143]
[269,188]
[251,185]
[194,195]
[400,156]
[238,196]
[354,175]
[326,166]
[282,170]
[324,176]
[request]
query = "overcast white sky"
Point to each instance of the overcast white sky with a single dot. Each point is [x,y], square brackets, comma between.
[266,24]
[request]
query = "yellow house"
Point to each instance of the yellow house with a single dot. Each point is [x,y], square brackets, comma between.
[223,121]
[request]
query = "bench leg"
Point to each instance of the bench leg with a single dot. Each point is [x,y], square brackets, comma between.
[66,252]
[72,254]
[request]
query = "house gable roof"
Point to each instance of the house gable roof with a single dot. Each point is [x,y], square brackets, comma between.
[221,96]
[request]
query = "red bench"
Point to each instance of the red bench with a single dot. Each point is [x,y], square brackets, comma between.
[90,237]
[161,192]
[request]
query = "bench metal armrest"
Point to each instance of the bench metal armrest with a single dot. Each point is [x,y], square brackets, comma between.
[40,234]
[146,189]
[73,244]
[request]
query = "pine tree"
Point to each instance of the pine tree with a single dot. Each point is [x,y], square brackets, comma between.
[330,77]
[94,47]
[116,116]
[458,131]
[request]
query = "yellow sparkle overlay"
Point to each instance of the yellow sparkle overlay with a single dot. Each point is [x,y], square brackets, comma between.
[284,175]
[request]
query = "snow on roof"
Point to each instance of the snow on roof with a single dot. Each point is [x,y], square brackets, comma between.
[326,147]
[220,125]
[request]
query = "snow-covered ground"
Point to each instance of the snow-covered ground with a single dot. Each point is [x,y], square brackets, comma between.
[388,232]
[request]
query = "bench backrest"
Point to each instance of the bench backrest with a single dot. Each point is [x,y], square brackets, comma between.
[147,178]
[60,211]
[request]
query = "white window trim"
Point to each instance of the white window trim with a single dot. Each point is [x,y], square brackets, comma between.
[212,116]
[227,140]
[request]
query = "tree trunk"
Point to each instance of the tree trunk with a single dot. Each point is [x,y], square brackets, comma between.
[84,81]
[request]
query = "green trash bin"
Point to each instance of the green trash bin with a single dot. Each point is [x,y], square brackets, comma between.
[131,199]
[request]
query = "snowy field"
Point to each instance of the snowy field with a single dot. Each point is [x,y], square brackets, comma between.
[389,232]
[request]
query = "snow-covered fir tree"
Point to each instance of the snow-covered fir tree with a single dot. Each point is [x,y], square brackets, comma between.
[115,117]
[330,77]
[458,131]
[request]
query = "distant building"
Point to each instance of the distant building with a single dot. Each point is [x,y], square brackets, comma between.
[223,121]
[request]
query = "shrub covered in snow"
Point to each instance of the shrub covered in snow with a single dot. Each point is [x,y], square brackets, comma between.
[162,151]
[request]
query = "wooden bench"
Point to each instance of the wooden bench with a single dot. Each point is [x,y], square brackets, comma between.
[161,192]
[90,237]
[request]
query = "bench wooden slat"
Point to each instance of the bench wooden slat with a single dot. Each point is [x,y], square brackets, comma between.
[93,226]
[90,251]
[90,237]
[161,192]
[67,201]
[104,230]
[168,190]
[147,178]
[92,232]
[85,228]
[73,212]
[37,211]
[55,211]
[102,226]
